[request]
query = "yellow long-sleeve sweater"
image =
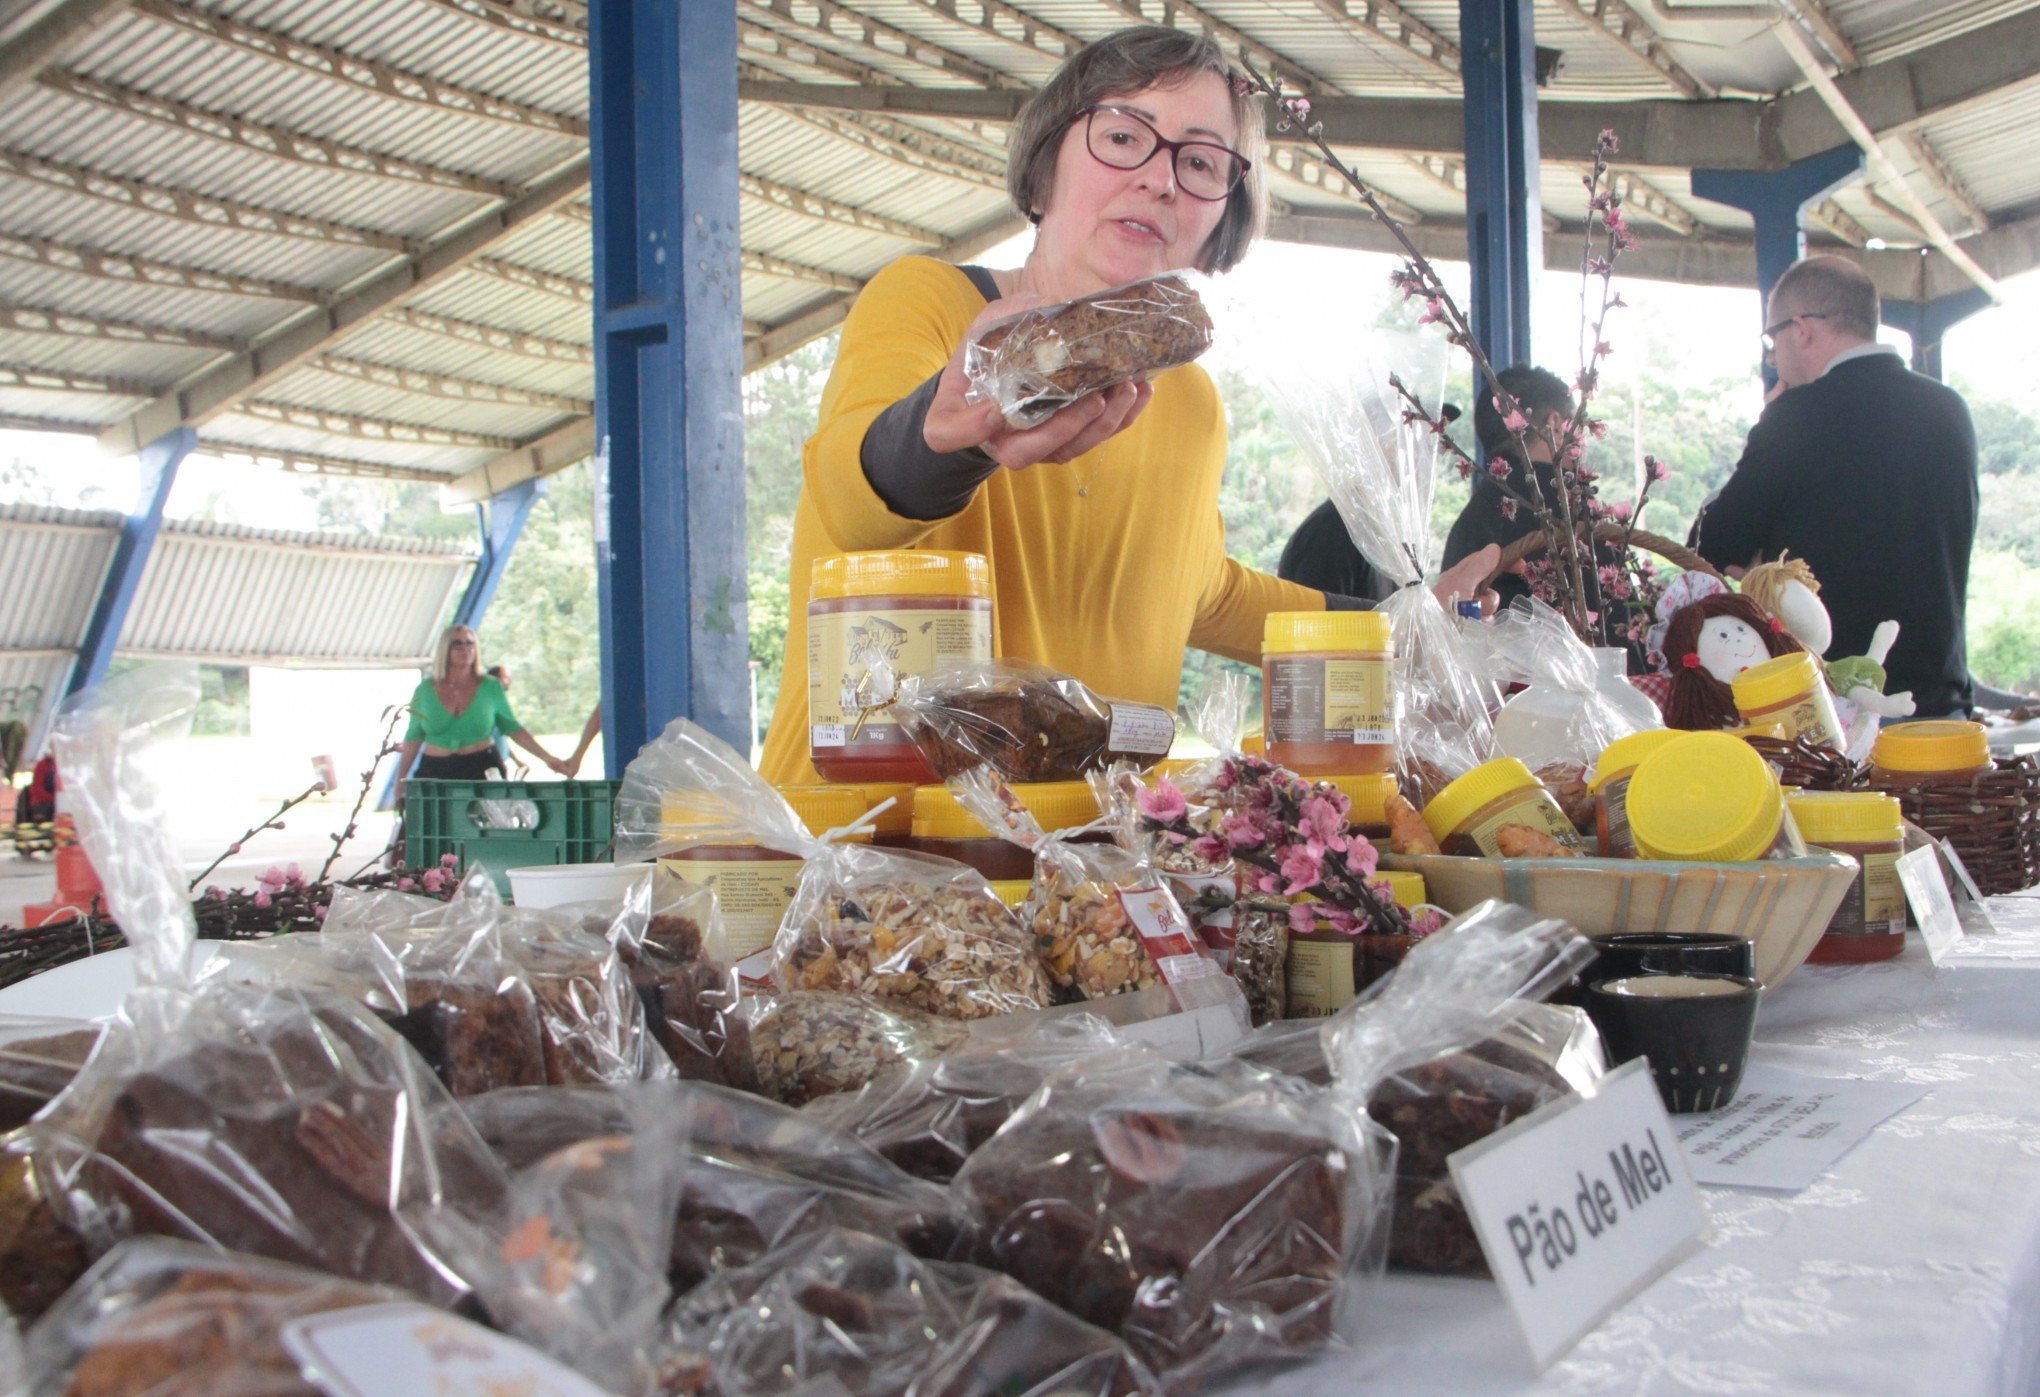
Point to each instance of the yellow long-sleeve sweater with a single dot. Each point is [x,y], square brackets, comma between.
[1109,585]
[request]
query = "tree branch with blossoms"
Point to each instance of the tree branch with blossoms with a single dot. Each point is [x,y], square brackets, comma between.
[1571,579]
[1294,837]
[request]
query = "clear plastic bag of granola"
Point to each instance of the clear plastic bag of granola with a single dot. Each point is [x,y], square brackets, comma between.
[796,1045]
[1333,384]
[928,1115]
[1104,922]
[268,1118]
[1211,1214]
[1452,1047]
[668,934]
[1026,721]
[174,1319]
[841,1311]
[1040,360]
[38,1058]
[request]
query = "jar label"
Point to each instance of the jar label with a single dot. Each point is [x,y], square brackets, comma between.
[1313,700]
[1531,808]
[1611,821]
[752,895]
[1320,976]
[1194,980]
[1810,718]
[1141,728]
[1883,894]
[843,646]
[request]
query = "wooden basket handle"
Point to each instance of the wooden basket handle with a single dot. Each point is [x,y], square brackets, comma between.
[1677,554]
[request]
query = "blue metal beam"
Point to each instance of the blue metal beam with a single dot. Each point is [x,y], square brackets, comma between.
[1928,323]
[501,521]
[668,370]
[159,461]
[1504,212]
[1776,201]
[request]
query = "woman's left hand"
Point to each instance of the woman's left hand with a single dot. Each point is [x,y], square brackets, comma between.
[1467,580]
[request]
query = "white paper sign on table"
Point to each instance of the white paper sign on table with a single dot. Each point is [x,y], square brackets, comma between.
[1933,907]
[1970,904]
[1786,1129]
[409,1350]
[1579,1206]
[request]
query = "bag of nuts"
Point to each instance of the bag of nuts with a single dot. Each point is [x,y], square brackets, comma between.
[1104,921]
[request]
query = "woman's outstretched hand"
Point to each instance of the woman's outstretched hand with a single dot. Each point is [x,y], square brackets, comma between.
[957,425]
[1466,580]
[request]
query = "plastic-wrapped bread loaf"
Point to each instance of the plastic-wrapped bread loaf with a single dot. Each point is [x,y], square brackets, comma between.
[1046,358]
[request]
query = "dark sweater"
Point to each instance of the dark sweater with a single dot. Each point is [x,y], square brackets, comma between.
[1869,474]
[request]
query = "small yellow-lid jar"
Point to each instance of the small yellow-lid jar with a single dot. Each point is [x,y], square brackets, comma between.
[1408,887]
[1468,815]
[1937,747]
[1367,796]
[1707,797]
[1789,690]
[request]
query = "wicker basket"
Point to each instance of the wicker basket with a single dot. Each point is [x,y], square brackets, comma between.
[1992,819]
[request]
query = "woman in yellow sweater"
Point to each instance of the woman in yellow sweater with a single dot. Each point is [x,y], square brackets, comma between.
[1101,524]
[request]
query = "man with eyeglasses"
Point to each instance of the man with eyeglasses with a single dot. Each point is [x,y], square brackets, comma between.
[1867,471]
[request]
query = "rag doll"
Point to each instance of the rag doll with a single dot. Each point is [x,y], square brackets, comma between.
[1789,591]
[1706,644]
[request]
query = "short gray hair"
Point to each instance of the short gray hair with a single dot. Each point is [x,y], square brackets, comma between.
[1133,60]
[1833,288]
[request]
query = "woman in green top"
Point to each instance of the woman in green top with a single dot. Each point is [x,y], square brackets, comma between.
[456,714]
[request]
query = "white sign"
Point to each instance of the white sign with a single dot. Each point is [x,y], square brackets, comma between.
[1786,1129]
[1970,904]
[1579,1206]
[406,1350]
[1189,1034]
[1933,909]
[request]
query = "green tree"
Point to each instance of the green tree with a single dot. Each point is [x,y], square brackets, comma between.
[543,624]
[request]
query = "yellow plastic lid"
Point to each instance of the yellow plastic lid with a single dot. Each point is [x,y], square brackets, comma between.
[929,572]
[1772,729]
[1408,887]
[1706,797]
[1054,804]
[1620,757]
[1846,817]
[1368,793]
[1473,790]
[1306,632]
[1012,891]
[1777,680]
[1941,745]
[897,818]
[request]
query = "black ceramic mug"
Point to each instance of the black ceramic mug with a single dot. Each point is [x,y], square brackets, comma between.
[1695,1029]
[1671,953]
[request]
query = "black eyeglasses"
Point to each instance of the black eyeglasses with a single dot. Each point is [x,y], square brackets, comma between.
[1771,331]
[1204,169]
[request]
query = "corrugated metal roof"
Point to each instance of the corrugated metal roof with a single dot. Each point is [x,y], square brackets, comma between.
[1989,146]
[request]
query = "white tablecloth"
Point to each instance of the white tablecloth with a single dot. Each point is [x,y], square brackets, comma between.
[1912,1267]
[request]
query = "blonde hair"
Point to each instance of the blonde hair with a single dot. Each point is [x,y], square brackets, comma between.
[442,652]
[1764,584]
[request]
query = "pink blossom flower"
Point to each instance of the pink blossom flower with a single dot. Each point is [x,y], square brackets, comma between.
[262,899]
[1210,848]
[405,885]
[1164,802]
[1268,883]
[433,880]
[1303,918]
[320,912]
[1598,428]
[1341,919]
[215,891]
[1512,416]
[1655,470]
[1240,86]
[449,860]
[1622,510]
[1303,869]
[1363,858]
[1608,144]
[1500,468]
[1509,510]
[1434,310]
[1298,108]
[1321,820]
[294,876]
[233,848]
[1242,831]
[1428,921]
[272,878]
[1465,469]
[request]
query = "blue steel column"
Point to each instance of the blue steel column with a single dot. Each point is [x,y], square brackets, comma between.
[502,523]
[159,460]
[668,370]
[1776,202]
[1928,323]
[1504,210]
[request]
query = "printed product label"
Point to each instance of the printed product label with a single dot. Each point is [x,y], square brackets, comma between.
[1883,894]
[376,1350]
[1534,809]
[1811,719]
[1611,821]
[843,645]
[1141,728]
[1311,700]
[1195,980]
[752,895]
[1320,977]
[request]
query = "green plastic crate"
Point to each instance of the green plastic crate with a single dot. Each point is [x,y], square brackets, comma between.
[508,824]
